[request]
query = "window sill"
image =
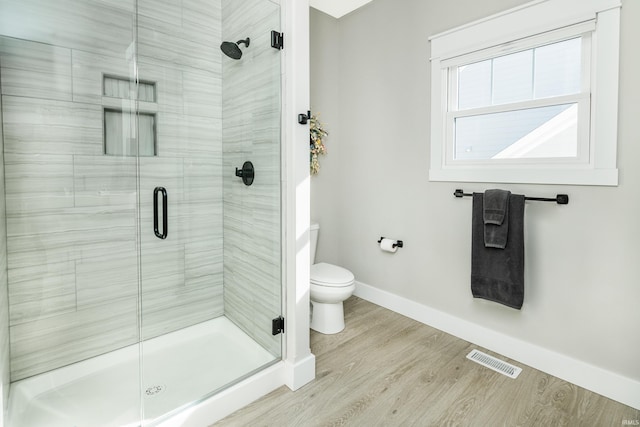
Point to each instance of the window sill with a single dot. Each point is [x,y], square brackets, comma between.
[600,177]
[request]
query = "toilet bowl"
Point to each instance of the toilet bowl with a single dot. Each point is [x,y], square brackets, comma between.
[330,286]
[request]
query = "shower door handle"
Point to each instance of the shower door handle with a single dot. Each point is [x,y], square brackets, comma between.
[165,219]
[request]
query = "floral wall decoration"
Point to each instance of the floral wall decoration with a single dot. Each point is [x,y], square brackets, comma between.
[316,143]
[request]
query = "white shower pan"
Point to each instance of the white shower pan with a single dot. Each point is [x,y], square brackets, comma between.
[178,368]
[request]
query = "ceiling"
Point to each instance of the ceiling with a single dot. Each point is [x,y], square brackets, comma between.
[337,8]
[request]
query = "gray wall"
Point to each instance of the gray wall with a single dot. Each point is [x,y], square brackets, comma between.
[371,83]
[72,212]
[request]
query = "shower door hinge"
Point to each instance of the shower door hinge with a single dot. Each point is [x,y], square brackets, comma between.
[277,325]
[277,40]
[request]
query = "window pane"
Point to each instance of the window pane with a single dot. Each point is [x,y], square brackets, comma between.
[543,72]
[474,85]
[557,69]
[513,78]
[531,133]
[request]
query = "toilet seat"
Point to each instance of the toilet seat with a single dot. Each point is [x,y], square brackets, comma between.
[323,274]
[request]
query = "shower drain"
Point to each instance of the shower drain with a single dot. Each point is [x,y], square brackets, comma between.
[154,390]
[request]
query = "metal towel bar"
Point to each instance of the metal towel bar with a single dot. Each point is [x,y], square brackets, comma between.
[561,199]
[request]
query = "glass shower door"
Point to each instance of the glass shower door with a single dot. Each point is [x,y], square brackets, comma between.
[251,103]
[68,119]
[180,198]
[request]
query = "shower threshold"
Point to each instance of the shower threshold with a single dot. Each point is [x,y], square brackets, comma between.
[178,368]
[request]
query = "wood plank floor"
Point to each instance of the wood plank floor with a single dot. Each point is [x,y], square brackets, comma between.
[387,370]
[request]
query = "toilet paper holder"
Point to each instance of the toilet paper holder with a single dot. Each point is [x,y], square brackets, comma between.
[398,243]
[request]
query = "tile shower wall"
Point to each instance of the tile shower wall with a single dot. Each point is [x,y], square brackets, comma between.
[251,131]
[72,215]
[4,303]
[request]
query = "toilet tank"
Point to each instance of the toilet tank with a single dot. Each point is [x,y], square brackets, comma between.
[314,240]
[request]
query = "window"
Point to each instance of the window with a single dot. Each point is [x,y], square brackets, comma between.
[521,105]
[520,97]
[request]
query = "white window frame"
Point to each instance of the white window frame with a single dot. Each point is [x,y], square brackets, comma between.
[533,24]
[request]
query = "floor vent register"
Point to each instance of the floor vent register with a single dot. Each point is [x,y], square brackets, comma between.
[496,364]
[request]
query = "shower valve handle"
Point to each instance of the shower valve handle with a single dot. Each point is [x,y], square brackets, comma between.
[247,173]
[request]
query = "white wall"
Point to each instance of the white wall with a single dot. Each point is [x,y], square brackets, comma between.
[371,84]
[300,363]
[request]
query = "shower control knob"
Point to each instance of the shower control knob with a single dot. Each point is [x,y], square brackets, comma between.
[247,173]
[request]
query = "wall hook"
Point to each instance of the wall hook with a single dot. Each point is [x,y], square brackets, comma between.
[303,119]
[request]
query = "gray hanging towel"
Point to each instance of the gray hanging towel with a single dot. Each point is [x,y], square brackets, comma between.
[495,212]
[498,274]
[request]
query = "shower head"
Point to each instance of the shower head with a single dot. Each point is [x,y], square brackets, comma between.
[232,50]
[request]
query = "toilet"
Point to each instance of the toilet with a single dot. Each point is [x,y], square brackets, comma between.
[330,286]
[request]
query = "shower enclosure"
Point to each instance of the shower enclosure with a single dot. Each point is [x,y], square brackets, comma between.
[139,274]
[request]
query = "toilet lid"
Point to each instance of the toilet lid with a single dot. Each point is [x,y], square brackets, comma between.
[330,275]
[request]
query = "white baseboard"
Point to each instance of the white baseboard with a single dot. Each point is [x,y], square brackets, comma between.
[598,380]
[301,372]
[230,400]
